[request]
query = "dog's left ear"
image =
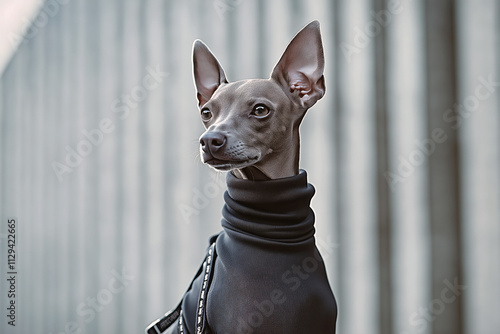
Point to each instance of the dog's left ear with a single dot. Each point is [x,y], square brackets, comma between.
[207,72]
[300,69]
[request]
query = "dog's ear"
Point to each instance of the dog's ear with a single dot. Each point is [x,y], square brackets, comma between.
[208,74]
[300,69]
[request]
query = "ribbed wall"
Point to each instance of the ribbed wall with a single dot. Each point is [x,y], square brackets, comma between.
[403,152]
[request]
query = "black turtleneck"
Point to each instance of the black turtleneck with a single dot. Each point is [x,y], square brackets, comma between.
[272,214]
[268,276]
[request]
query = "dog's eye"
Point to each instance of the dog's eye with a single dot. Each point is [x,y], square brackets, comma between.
[206,115]
[260,111]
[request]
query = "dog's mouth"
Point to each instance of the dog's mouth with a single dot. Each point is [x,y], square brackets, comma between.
[227,165]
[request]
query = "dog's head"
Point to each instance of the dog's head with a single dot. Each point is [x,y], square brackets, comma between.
[255,122]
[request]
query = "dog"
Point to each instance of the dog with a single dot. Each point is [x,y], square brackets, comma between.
[263,272]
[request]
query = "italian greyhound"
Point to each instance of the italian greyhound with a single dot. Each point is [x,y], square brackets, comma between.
[263,272]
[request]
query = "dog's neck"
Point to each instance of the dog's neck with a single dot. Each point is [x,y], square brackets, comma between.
[250,173]
[277,210]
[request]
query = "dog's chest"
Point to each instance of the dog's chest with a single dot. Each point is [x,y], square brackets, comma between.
[257,291]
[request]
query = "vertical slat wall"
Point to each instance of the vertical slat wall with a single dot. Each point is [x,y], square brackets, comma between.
[410,241]
[408,222]
[479,133]
[358,294]
[109,227]
[384,213]
[443,163]
[67,204]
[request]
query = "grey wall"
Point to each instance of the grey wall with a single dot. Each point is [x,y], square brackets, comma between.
[403,151]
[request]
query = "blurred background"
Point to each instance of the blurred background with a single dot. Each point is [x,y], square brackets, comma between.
[100,166]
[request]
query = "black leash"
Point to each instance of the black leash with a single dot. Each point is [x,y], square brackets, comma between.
[162,324]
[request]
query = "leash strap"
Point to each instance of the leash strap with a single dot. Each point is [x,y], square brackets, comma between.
[202,300]
[162,324]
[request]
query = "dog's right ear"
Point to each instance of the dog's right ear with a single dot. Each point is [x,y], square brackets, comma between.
[208,74]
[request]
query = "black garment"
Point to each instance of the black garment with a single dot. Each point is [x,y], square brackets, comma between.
[268,276]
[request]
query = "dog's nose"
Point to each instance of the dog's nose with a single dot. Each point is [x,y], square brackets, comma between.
[212,141]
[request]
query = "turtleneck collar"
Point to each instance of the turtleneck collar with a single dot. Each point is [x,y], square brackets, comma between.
[274,212]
